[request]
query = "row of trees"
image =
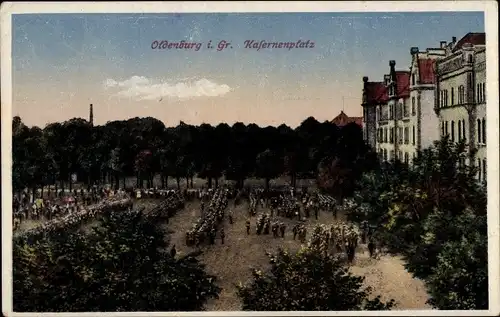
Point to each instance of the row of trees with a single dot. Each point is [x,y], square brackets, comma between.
[433,213]
[145,148]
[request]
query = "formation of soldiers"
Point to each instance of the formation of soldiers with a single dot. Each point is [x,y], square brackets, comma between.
[300,230]
[328,203]
[266,225]
[173,202]
[211,216]
[341,237]
[286,206]
[75,218]
[56,204]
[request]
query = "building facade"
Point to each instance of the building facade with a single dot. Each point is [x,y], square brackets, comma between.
[386,116]
[374,96]
[443,93]
[460,102]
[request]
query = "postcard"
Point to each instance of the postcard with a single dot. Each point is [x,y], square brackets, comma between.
[283,158]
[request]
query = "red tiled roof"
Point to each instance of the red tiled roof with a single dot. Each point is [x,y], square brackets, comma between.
[403,83]
[342,119]
[426,71]
[376,92]
[472,38]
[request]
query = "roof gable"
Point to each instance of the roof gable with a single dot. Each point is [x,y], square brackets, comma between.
[342,119]
[472,38]
[426,71]
[376,92]
[403,83]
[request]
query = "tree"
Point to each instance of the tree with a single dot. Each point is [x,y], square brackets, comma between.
[459,280]
[434,214]
[268,165]
[307,281]
[120,265]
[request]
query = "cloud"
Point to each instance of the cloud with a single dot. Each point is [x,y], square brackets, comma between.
[142,88]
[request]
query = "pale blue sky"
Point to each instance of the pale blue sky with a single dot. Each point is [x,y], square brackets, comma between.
[60,62]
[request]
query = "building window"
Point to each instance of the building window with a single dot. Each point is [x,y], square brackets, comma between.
[407,135]
[407,158]
[459,130]
[453,131]
[479,130]
[470,58]
[452,96]
[391,112]
[385,154]
[463,130]
[442,128]
[479,169]
[413,134]
[461,94]
[484,170]
[446,128]
[400,135]
[484,131]
[385,135]
[391,136]
[413,106]
[484,91]
[400,155]
[400,110]
[392,155]
[413,79]
[479,93]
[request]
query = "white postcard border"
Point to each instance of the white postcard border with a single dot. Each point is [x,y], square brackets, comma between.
[491,27]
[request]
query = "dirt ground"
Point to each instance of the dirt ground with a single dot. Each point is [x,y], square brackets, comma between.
[232,261]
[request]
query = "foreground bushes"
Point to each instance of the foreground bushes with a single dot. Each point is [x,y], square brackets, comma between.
[123,264]
[307,281]
[433,213]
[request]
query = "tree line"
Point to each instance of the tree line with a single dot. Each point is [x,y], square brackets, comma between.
[144,148]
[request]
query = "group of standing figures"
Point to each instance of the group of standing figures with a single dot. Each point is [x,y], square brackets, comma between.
[341,237]
[206,226]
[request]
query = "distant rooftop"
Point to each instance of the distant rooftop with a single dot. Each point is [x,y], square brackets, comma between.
[472,38]
[342,119]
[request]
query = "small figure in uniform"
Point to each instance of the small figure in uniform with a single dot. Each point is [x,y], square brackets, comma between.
[371,247]
[222,235]
[248,226]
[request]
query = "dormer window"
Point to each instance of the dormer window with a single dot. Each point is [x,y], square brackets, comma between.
[470,58]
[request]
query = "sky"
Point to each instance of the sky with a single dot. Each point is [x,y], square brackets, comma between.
[62,63]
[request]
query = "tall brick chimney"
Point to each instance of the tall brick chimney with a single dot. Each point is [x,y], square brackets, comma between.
[91,115]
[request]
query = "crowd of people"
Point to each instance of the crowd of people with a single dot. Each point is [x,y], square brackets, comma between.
[341,237]
[56,204]
[207,225]
[76,217]
[265,225]
[172,202]
[82,205]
